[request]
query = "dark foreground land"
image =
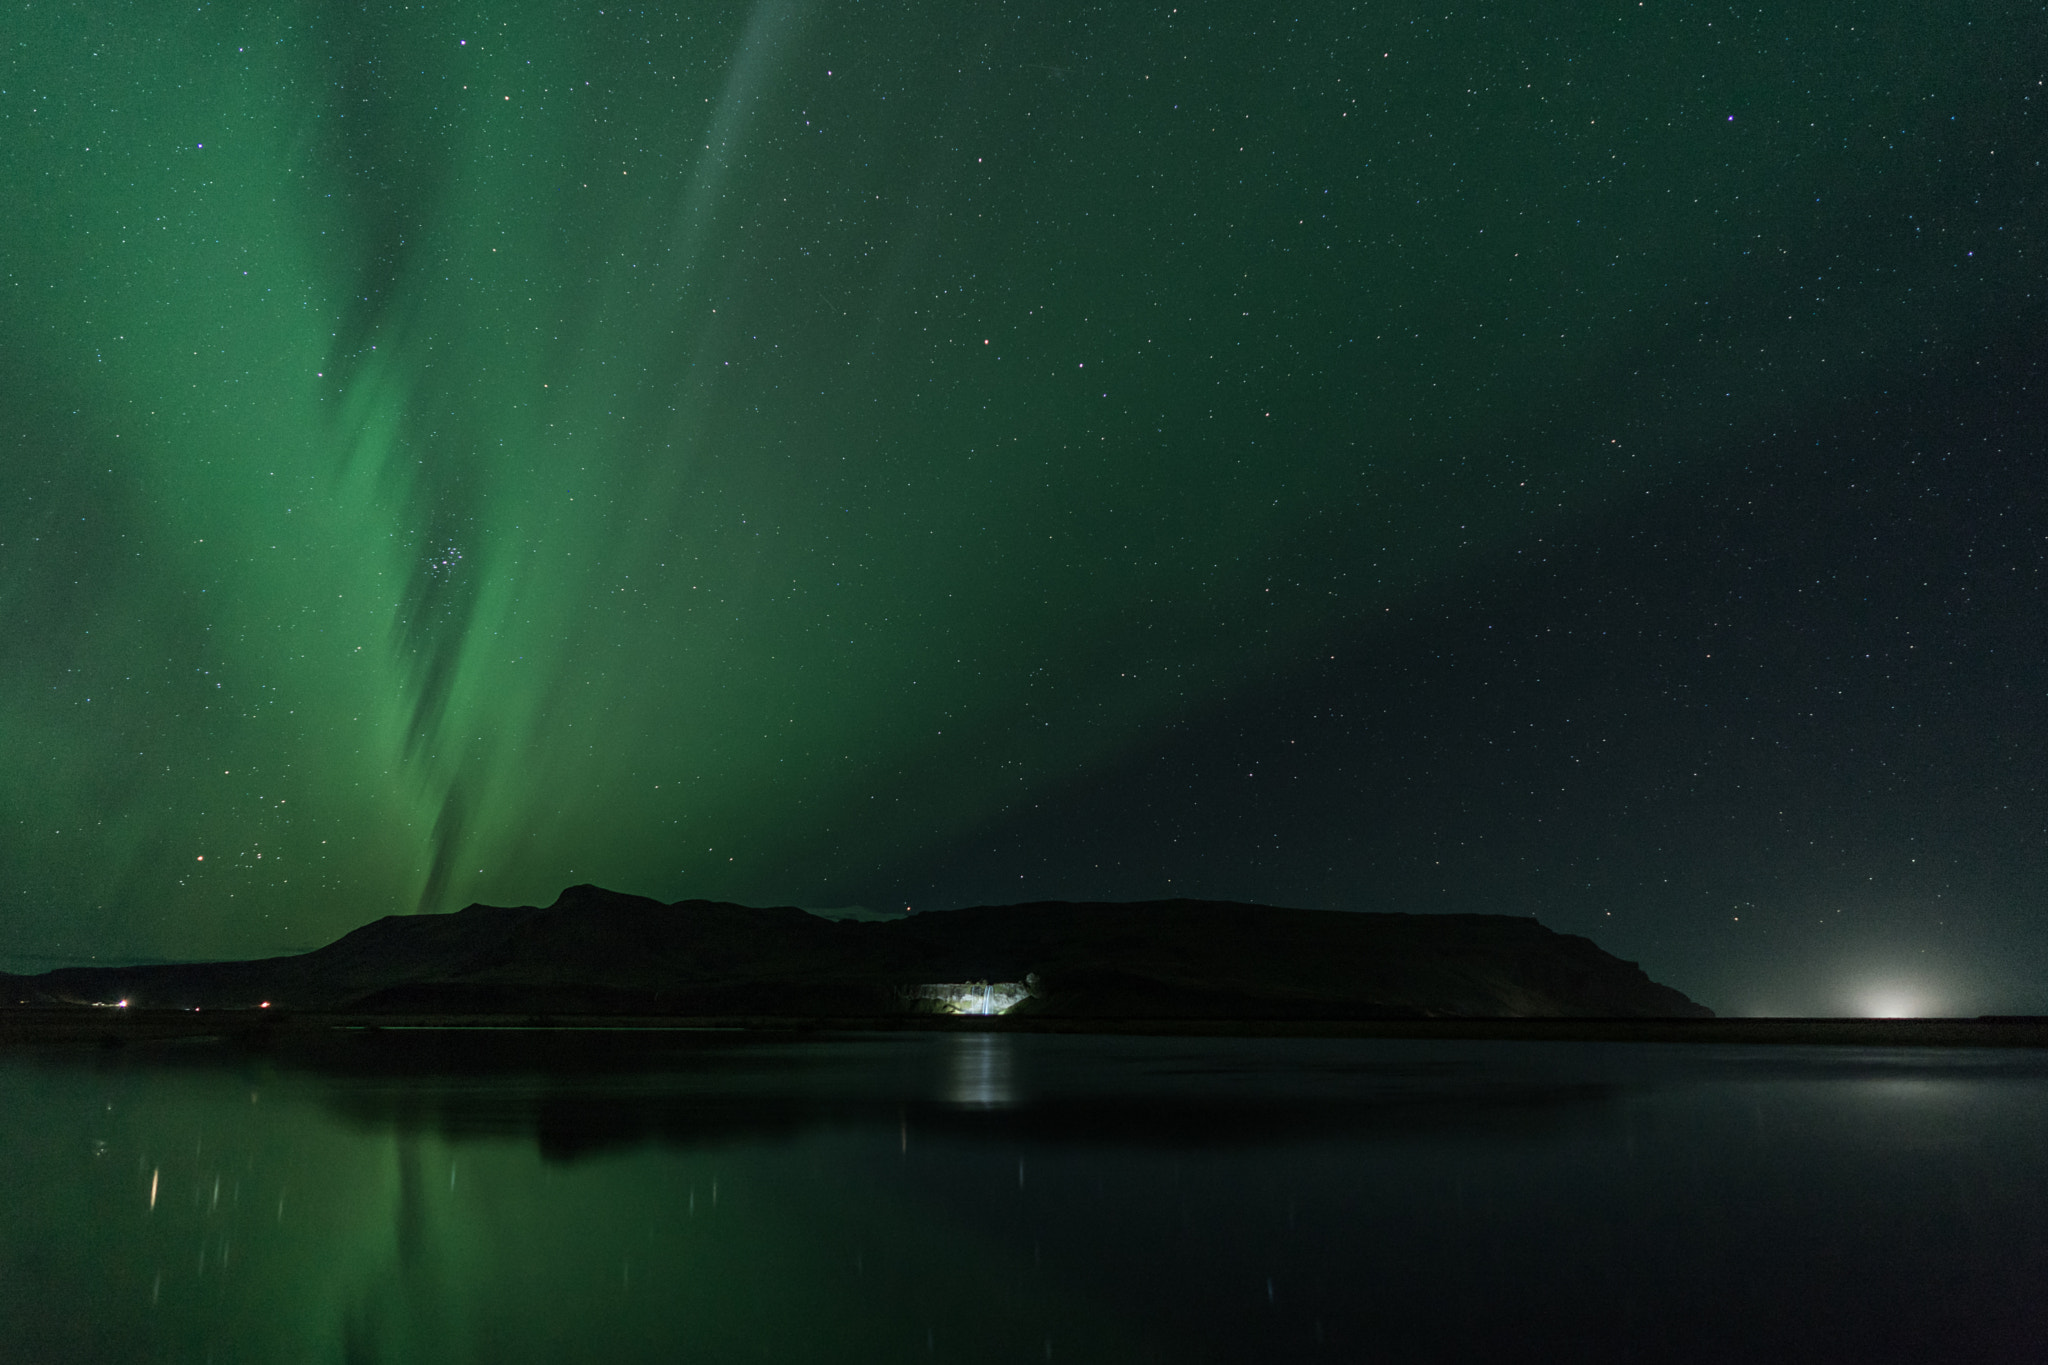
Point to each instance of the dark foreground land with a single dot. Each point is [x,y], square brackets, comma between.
[266,1029]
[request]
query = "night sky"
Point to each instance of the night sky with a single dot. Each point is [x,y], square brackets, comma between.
[1573,460]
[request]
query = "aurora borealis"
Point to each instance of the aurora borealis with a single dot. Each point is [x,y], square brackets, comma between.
[1577,461]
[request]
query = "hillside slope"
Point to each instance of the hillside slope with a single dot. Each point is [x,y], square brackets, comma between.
[598,951]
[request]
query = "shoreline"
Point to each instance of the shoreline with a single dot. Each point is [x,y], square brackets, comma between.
[32,1026]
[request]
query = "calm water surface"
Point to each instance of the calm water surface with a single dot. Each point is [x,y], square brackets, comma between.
[996,1198]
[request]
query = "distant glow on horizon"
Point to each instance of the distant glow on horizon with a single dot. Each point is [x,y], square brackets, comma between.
[1895,1002]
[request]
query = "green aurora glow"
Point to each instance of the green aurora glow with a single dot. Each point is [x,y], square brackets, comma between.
[455,451]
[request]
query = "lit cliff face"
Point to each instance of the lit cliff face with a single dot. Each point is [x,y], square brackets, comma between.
[974,997]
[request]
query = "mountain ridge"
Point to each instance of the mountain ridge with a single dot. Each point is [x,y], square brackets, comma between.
[595,951]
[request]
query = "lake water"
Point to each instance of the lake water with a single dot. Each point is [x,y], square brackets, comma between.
[717,1197]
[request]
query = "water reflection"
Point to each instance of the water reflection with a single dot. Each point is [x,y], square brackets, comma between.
[1000,1198]
[711,1090]
[983,1075]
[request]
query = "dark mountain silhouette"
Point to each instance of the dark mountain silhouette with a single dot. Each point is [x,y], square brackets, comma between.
[599,952]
